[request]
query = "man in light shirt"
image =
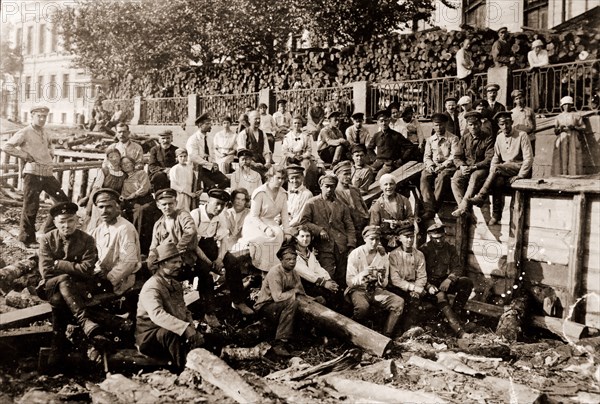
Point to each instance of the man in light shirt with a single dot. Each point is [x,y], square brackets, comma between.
[127,147]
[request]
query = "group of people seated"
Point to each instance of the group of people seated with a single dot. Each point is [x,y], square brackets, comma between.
[319,239]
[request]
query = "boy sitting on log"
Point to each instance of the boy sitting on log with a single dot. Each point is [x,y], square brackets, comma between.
[164,326]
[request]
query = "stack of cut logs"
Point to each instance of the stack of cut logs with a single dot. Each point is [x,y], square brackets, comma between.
[425,54]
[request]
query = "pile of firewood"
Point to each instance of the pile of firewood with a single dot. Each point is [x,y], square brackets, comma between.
[425,54]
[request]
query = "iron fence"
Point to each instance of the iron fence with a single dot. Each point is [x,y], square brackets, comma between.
[543,87]
[332,98]
[221,105]
[425,96]
[164,111]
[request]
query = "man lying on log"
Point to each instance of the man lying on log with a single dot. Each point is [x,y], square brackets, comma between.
[165,327]
[445,276]
[67,259]
[367,278]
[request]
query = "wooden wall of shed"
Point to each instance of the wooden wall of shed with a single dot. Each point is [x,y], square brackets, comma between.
[591,264]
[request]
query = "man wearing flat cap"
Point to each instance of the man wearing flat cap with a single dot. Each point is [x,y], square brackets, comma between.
[161,158]
[440,149]
[451,112]
[118,244]
[408,276]
[483,108]
[465,104]
[298,194]
[209,175]
[445,275]
[362,173]
[332,228]
[367,279]
[164,325]
[390,148]
[501,50]
[34,147]
[472,160]
[332,146]
[351,197]
[513,160]
[523,117]
[67,259]
[357,134]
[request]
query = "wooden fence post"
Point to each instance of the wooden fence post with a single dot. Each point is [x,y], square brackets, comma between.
[575,276]
[190,122]
[137,111]
[360,96]
[266,96]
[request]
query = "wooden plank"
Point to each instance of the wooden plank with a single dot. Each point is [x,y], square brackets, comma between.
[569,184]
[26,316]
[575,279]
[551,211]
[401,174]
[515,244]
[461,240]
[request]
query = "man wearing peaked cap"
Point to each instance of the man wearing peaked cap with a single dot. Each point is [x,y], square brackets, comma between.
[32,145]
[40,108]
[332,147]
[367,278]
[439,118]
[451,112]
[357,134]
[298,194]
[161,159]
[494,106]
[362,174]
[471,115]
[351,197]
[446,275]
[171,334]
[67,258]
[523,117]
[502,54]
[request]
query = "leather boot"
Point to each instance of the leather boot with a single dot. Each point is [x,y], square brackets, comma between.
[390,323]
[453,321]
[77,307]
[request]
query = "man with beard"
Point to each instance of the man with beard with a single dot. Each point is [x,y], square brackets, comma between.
[162,158]
[445,275]
[164,325]
[67,259]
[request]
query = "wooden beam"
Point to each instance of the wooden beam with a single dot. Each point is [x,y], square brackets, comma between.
[26,316]
[462,239]
[401,174]
[576,249]
[515,239]
[564,184]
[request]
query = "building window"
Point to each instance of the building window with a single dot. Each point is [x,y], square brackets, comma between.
[19,40]
[29,48]
[65,86]
[63,118]
[52,93]
[535,13]
[54,41]
[27,87]
[40,88]
[42,39]
[475,13]
[79,91]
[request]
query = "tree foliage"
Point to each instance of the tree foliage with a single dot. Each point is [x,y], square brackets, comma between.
[11,59]
[112,38]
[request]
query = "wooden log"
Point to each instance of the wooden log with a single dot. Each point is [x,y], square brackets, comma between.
[26,316]
[568,331]
[576,250]
[362,391]
[509,325]
[346,328]
[215,371]
[564,184]
[401,174]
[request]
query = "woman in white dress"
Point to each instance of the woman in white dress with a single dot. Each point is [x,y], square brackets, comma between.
[225,146]
[261,232]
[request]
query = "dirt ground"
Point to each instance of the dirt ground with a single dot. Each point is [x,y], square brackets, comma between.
[481,369]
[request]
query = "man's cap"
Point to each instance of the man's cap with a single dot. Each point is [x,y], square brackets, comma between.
[262,105]
[342,166]
[465,99]
[407,229]
[359,148]
[244,152]
[503,114]
[481,102]
[105,194]
[516,93]
[165,133]
[393,105]
[371,230]
[284,102]
[328,179]
[439,118]
[436,228]
[63,208]
[333,114]
[219,194]
[384,113]
[502,29]
[294,169]
[288,247]
[180,151]
[451,98]
[473,115]
[202,118]
[566,100]
[537,42]
[227,118]
[492,86]
[40,108]
[165,193]
[166,251]
[358,116]
[408,111]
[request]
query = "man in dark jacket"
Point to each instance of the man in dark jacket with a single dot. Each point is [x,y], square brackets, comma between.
[452,124]
[161,159]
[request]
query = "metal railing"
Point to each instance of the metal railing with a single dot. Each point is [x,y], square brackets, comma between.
[425,96]
[332,98]
[165,111]
[221,105]
[545,86]
[125,104]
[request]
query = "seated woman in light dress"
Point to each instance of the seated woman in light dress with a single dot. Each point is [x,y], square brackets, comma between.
[224,144]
